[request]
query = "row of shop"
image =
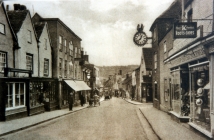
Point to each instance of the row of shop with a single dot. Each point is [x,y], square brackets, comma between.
[23,97]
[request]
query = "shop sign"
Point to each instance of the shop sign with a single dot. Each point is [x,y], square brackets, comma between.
[185,30]
[190,55]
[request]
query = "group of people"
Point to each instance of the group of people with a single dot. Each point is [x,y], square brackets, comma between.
[95,100]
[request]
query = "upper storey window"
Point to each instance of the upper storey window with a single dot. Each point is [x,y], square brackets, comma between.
[29,36]
[60,43]
[71,48]
[2,28]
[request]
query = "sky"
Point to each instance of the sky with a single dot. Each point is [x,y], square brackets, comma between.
[106,27]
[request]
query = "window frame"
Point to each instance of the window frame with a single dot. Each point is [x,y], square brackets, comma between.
[60,67]
[29,39]
[5,64]
[65,68]
[4,32]
[29,55]
[60,42]
[71,48]
[46,67]
[65,45]
[14,95]
[155,61]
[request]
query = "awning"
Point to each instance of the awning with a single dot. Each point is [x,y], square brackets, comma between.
[77,85]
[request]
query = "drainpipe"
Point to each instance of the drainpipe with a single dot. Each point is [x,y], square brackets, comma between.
[38,45]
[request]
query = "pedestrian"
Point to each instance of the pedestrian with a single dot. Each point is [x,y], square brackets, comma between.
[81,99]
[70,100]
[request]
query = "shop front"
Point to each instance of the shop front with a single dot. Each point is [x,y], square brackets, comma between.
[180,72]
[80,89]
[191,86]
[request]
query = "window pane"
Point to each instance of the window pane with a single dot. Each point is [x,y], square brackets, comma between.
[17,96]
[29,62]
[2,28]
[9,100]
[2,61]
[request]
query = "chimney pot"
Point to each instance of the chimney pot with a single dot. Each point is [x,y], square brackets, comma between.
[7,8]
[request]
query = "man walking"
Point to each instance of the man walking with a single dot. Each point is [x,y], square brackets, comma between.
[70,100]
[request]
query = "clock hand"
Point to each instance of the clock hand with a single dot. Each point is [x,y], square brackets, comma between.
[140,37]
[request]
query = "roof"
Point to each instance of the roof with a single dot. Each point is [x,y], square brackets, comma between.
[13,34]
[58,20]
[174,11]
[16,18]
[39,26]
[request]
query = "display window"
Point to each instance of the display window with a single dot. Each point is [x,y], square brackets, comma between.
[15,97]
[200,96]
[180,91]
[176,102]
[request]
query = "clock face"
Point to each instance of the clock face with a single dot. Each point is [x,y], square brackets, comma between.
[140,38]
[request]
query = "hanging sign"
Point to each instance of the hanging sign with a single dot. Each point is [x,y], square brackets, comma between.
[185,30]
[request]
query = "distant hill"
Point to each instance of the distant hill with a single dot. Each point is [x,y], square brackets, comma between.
[105,71]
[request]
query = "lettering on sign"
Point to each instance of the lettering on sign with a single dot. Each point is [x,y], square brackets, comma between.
[190,55]
[185,30]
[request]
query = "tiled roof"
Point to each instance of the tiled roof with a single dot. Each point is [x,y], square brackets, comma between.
[174,11]
[16,18]
[39,26]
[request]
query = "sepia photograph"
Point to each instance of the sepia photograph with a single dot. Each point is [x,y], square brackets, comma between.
[106,70]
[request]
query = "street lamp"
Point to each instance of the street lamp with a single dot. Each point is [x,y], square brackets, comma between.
[88,76]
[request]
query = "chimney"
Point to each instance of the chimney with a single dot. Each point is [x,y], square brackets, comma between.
[23,7]
[16,6]
[7,8]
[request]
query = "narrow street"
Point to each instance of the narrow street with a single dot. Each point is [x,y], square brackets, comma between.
[114,119]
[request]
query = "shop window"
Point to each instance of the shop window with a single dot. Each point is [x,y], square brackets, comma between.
[15,95]
[2,28]
[60,43]
[36,93]
[3,62]
[200,97]
[29,61]
[46,67]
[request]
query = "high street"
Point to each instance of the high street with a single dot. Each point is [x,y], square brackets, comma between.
[114,119]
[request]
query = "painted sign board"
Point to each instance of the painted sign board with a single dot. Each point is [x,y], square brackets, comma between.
[185,30]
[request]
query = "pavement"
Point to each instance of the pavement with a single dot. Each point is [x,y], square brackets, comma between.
[16,125]
[164,127]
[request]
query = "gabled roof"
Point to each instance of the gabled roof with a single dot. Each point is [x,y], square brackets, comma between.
[174,11]
[39,26]
[17,18]
[13,34]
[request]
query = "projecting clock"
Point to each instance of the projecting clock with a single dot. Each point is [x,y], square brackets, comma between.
[140,38]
